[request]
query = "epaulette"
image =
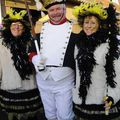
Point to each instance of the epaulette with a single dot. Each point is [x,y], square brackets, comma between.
[38,26]
[76,28]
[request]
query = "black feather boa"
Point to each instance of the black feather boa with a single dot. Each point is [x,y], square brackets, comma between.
[113,52]
[19,50]
[86,61]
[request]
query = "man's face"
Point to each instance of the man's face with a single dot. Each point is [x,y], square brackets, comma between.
[56,13]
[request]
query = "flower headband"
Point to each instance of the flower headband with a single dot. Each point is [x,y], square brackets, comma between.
[90,8]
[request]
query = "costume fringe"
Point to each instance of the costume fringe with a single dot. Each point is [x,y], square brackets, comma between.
[24,102]
[96,112]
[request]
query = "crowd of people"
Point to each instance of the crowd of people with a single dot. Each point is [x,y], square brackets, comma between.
[70,70]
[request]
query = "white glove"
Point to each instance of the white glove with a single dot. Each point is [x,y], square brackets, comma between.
[39,63]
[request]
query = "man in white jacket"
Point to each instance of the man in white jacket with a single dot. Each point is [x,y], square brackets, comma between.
[55,65]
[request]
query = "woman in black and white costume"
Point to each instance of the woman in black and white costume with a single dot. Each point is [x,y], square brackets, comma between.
[19,96]
[97,92]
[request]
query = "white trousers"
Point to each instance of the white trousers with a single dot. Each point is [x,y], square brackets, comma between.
[57,97]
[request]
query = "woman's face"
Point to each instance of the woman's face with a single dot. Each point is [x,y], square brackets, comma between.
[16,29]
[90,25]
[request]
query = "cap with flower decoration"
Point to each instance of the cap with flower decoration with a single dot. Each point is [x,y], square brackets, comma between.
[13,16]
[90,9]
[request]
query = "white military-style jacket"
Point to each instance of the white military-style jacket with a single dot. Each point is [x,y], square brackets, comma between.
[57,43]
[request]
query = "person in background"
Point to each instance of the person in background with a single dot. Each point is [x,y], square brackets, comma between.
[19,96]
[55,65]
[96,95]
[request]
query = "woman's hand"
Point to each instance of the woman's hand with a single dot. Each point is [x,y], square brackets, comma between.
[108,101]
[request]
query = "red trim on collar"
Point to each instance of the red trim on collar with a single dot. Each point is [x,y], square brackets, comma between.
[63,21]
